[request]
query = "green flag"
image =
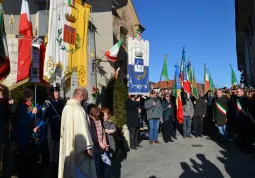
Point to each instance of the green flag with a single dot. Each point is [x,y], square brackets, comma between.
[210,81]
[164,69]
[233,77]
[194,85]
[190,72]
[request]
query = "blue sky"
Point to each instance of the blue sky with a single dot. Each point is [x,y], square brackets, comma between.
[206,29]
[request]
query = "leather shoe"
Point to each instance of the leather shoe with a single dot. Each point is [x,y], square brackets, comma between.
[133,148]
[138,146]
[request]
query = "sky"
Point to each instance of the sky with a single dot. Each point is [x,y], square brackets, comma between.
[206,29]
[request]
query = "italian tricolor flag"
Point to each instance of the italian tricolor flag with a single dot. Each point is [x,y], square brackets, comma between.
[113,52]
[207,83]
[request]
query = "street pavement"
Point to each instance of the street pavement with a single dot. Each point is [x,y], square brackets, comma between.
[187,158]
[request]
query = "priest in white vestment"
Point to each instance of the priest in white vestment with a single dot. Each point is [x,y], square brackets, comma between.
[75,154]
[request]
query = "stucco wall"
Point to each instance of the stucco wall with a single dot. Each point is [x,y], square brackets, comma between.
[124,17]
[101,17]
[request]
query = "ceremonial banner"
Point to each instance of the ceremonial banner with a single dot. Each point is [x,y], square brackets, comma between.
[67,36]
[35,67]
[138,67]
[20,50]
[13,47]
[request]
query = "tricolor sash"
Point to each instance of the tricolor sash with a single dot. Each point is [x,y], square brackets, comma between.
[246,113]
[221,108]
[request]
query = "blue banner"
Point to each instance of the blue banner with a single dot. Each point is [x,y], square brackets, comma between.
[138,81]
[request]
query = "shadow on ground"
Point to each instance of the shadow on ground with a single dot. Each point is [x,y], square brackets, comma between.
[203,169]
[236,165]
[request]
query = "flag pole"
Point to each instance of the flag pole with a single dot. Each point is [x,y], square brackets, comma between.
[35,102]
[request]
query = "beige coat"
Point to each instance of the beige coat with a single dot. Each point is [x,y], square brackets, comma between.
[75,138]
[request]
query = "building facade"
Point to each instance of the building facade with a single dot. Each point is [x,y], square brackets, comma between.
[110,21]
[245,40]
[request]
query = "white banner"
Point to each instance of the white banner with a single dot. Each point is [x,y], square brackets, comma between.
[12,43]
[56,50]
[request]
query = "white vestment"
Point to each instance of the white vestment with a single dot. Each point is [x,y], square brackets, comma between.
[75,138]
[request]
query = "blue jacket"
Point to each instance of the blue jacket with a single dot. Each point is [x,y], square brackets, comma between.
[26,124]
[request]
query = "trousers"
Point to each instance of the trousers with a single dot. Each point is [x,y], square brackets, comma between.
[198,125]
[168,130]
[153,130]
[133,132]
[187,126]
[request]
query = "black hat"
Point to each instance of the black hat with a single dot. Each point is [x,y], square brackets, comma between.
[54,87]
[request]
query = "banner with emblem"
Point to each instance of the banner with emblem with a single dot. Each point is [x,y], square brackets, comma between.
[138,67]
[67,41]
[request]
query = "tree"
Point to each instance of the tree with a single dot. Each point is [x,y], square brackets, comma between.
[116,96]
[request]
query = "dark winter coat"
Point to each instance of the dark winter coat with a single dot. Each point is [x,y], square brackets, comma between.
[133,119]
[167,112]
[219,117]
[52,117]
[244,121]
[200,107]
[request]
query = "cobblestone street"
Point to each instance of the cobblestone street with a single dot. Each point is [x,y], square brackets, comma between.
[188,158]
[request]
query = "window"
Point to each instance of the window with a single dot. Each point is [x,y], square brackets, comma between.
[123,35]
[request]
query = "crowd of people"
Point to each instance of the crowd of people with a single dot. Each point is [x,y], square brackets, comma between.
[54,135]
[75,139]
[223,114]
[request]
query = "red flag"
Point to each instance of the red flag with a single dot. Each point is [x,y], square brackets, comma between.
[25,44]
